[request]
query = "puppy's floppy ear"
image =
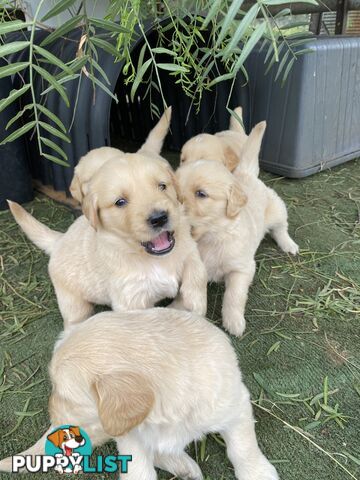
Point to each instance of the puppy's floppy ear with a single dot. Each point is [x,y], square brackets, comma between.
[236,200]
[75,189]
[91,209]
[124,400]
[231,160]
[56,438]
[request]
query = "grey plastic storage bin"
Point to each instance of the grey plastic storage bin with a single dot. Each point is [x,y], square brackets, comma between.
[314,119]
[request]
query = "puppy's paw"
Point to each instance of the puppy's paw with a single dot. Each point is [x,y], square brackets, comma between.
[234,323]
[288,245]
[291,247]
[262,470]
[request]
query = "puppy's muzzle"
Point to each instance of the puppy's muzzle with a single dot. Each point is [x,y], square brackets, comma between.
[158,219]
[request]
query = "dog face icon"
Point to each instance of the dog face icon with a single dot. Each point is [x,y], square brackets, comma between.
[67,439]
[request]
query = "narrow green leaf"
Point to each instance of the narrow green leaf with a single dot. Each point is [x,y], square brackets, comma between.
[221,78]
[14,26]
[18,115]
[139,76]
[312,425]
[203,449]
[212,13]
[288,395]
[52,59]
[103,87]
[55,160]
[250,44]
[13,47]
[282,64]
[108,25]
[171,67]
[53,82]
[51,144]
[326,390]
[52,116]
[288,69]
[101,71]
[12,68]
[104,45]
[242,28]
[274,347]
[54,131]
[229,18]
[13,95]
[62,80]
[60,6]
[20,131]
[163,50]
[62,30]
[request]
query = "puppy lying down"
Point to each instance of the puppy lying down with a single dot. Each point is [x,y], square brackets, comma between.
[132,248]
[230,213]
[155,381]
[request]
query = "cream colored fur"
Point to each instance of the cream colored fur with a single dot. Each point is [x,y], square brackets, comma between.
[230,222]
[101,259]
[226,146]
[154,381]
[90,163]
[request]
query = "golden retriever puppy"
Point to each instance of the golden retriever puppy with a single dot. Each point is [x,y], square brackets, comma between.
[154,381]
[132,248]
[90,163]
[230,214]
[226,146]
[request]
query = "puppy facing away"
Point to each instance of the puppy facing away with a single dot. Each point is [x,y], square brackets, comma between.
[132,248]
[226,146]
[155,381]
[90,163]
[230,214]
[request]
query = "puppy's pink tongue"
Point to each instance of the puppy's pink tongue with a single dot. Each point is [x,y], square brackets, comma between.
[161,242]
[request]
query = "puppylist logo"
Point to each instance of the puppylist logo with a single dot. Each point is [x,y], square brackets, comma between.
[68,450]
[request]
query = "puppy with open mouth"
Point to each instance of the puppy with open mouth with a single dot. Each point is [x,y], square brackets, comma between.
[131,249]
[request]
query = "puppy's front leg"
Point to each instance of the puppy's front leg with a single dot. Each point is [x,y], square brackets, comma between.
[237,284]
[142,464]
[193,290]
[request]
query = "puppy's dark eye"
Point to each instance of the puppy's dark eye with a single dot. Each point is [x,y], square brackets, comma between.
[162,186]
[121,202]
[201,194]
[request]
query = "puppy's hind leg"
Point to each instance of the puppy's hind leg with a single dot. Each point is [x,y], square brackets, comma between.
[73,307]
[236,291]
[241,444]
[277,224]
[181,465]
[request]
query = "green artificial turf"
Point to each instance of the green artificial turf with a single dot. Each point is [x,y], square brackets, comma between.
[299,356]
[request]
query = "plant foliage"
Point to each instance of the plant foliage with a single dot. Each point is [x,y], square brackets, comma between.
[199,43]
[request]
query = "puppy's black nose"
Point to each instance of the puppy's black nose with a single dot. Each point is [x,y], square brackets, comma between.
[79,439]
[158,218]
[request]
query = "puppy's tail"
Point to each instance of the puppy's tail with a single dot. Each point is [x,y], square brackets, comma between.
[235,124]
[40,234]
[156,137]
[250,154]
[38,448]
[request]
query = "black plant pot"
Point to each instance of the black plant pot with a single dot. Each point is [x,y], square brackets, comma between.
[15,178]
